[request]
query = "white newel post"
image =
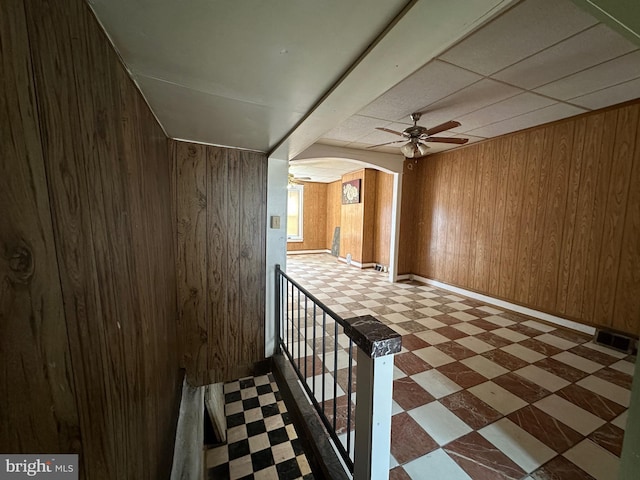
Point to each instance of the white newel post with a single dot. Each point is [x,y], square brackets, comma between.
[377,345]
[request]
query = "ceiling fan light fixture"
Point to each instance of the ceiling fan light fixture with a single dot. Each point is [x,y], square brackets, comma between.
[410,150]
[423,147]
[414,149]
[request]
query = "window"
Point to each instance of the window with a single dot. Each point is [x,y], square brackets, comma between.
[294,213]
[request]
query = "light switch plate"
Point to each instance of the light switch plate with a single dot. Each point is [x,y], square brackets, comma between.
[275,221]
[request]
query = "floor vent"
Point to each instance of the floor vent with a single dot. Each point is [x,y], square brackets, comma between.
[617,341]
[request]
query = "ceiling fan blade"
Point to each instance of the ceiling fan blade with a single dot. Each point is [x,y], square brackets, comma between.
[383,144]
[458,141]
[442,127]
[388,130]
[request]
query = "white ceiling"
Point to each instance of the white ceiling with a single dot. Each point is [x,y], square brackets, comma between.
[277,76]
[540,61]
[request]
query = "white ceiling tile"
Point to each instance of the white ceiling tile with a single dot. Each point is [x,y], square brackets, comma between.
[610,96]
[613,72]
[365,146]
[432,82]
[584,50]
[511,107]
[376,137]
[387,149]
[476,96]
[522,31]
[440,147]
[332,142]
[326,169]
[537,117]
[354,127]
[472,138]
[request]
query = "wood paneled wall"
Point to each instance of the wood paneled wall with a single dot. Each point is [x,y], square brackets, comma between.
[352,222]
[368,200]
[359,222]
[38,411]
[314,217]
[221,221]
[382,225]
[409,221]
[548,218]
[334,205]
[89,352]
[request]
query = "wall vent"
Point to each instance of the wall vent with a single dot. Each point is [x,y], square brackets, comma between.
[617,341]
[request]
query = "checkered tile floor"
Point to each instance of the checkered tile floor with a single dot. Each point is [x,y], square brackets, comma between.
[262,443]
[479,392]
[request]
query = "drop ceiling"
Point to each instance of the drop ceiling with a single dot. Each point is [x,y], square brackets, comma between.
[278,76]
[540,61]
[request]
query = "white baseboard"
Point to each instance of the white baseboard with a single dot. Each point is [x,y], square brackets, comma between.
[301,252]
[357,264]
[563,322]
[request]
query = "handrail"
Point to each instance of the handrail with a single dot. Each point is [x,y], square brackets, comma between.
[377,344]
[295,362]
[310,295]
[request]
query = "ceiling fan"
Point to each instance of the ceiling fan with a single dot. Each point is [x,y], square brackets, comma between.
[295,180]
[418,136]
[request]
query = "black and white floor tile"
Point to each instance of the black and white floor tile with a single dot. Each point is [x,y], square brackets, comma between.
[262,443]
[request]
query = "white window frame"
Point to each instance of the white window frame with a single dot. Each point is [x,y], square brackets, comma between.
[300,189]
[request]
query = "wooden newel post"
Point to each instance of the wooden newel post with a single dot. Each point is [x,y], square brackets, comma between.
[377,345]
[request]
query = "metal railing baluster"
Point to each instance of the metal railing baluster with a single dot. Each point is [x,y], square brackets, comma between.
[377,343]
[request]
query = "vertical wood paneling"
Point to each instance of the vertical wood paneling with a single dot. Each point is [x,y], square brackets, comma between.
[501,162]
[38,411]
[531,177]
[55,83]
[450,194]
[420,230]
[547,218]
[368,198]
[570,218]
[217,245]
[191,194]
[486,202]
[536,254]
[382,227]
[232,273]
[314,217]
[513,207]
[579,262]
[625,140]
[221,198]
[334,204]
[555,211]
[596,234]
[475,213]
[408,224]
[384,212]
[358,221]
[437,221]
[627,301]
[251,251]
[109,183]
[456,195]
[352,223]
[468,166]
